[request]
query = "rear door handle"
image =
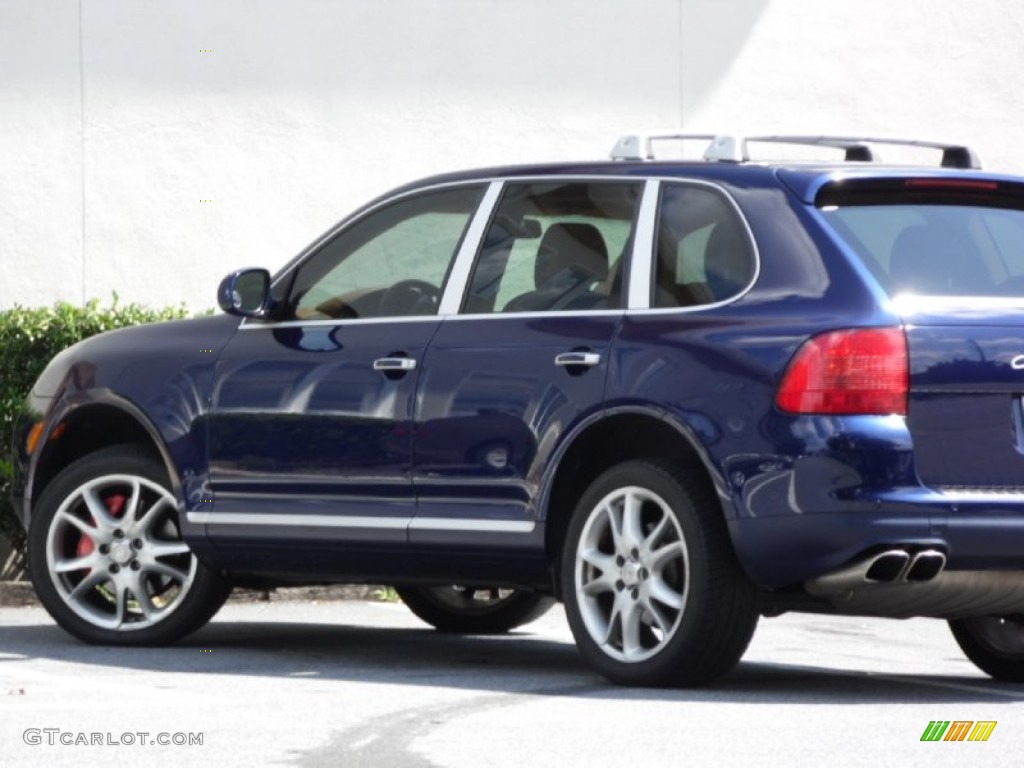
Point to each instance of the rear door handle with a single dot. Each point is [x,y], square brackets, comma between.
[572,359]
[387,364]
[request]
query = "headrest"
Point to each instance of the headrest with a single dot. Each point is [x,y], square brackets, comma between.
[571,246]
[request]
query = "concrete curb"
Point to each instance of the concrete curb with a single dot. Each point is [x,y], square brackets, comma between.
[21,593]
[13,593]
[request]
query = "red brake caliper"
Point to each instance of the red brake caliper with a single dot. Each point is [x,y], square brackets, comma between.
[115,506]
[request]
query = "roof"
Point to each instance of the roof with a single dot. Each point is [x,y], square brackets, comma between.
[726,160]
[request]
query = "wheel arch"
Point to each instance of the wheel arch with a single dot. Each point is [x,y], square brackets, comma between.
[101,420]
[623,434]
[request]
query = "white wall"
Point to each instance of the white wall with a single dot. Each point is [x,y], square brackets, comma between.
[114,124]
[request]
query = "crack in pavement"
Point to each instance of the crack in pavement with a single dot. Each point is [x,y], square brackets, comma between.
[388,739]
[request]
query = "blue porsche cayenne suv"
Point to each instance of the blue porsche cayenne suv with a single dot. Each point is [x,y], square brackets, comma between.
[675,395]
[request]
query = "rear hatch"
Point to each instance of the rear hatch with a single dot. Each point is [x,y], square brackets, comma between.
[949,252]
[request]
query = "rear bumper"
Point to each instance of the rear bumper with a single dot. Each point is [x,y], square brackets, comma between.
[977,530]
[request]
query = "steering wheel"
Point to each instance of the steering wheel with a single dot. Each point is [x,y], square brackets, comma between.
[410,297]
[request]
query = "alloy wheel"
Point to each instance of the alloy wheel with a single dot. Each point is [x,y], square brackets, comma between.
[115,554]
[632,574]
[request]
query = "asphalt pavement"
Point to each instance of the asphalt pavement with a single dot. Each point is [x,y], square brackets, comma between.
[350,683]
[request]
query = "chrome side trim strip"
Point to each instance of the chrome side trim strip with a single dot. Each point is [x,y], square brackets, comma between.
[464,524]
[350,521]
[311,521]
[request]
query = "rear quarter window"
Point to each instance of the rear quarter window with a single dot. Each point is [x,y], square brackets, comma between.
[703,253]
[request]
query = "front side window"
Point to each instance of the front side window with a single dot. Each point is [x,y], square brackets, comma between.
[391,263]
[555,247]
[703,253]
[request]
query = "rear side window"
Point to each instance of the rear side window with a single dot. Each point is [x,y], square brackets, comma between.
[555,247]
[703,253]
[935,245]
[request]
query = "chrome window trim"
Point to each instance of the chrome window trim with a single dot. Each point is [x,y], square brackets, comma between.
[567,178]
[361,213]
[336,322]
[462,266]
[494,185]
[364,521]
[439,318]
[646,279]
[483,181]
[641,274]
[287,271]
[641,259]
[538,314]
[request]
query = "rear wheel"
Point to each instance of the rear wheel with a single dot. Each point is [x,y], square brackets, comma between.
[994,643]
[474,610]
[107,557]
[653,592]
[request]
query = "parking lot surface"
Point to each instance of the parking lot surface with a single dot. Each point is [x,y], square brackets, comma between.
[344,683]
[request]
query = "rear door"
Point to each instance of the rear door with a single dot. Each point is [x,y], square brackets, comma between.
[950,255]
[523,362]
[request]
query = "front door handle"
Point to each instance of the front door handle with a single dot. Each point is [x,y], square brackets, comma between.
[573,359]
[391,364]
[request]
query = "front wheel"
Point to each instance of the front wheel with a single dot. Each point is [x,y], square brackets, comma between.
[653,592]
[107,557]
[474,610]
[994,643]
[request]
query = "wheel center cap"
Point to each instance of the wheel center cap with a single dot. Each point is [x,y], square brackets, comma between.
[121,553]
[631,573]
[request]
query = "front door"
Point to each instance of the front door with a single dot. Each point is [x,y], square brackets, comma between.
[310,428]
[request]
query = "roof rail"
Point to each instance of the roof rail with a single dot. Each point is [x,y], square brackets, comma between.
[732,148]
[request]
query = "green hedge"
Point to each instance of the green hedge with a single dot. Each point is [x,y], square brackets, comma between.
[29,338]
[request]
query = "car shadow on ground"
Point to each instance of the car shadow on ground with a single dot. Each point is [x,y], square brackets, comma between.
[517,663]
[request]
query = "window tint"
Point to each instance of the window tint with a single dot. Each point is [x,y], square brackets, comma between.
[937,250]
[391,263]
[555,247]
[703,253]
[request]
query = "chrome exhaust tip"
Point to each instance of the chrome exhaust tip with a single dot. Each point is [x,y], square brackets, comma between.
[887,567]
[883,568]
[926,565]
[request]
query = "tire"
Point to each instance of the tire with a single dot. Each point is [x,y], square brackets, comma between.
[106,555]
[653,592]
[995,645]
[474,610]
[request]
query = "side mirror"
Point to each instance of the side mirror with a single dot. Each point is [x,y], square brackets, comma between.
[244,292]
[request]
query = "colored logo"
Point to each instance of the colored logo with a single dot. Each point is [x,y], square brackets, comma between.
[959,730]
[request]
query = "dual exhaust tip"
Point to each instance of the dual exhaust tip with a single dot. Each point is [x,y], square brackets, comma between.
[900,565]
[894,566]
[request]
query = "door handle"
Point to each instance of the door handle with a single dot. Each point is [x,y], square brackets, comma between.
[388,364]
[573,359]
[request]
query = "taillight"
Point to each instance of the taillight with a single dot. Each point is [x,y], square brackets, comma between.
[857,371]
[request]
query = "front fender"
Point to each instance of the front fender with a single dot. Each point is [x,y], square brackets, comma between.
[149,383]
